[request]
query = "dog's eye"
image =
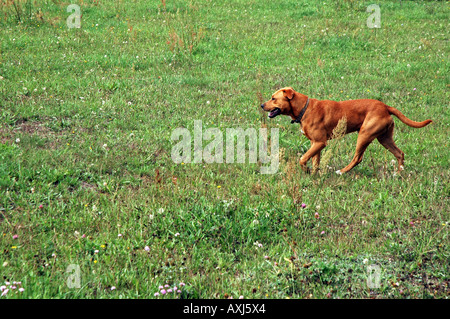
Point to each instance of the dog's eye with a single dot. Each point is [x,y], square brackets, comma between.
[273,99]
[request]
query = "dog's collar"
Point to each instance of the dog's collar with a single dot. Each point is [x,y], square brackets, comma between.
[302,112]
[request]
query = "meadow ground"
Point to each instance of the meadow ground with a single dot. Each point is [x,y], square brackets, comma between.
[93,206]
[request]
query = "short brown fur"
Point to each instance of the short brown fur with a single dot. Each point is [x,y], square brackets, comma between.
[371,118]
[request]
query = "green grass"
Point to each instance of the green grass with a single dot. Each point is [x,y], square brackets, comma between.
[85,155]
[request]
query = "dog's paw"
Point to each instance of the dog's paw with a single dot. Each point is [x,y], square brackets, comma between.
[339,172]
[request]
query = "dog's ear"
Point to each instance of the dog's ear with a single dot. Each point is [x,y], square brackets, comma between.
[289,92]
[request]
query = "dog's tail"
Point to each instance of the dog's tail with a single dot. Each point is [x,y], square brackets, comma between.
[406,120]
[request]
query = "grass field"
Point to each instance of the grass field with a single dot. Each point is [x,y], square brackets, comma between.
[93,206]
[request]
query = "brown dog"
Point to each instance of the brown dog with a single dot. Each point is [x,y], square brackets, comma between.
[371,118]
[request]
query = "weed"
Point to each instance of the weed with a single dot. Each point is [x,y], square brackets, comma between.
[333,145]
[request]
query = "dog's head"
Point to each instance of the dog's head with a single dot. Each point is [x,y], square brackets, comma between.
[280,103]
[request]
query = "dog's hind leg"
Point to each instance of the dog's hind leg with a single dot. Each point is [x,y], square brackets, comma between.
[362,142]
[388,142]
[372,128]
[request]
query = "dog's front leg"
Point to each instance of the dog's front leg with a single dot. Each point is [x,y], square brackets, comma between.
[314,150]
[316,162]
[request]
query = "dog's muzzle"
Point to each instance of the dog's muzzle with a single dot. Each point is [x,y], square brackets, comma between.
[274,112]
